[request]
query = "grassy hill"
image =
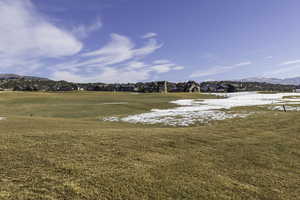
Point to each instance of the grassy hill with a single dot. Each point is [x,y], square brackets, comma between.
[54,146]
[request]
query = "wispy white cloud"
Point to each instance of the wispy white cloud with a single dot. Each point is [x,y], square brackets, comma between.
[150,47]
[25,32]
[284,72]
[149,35]
[163,66]
[242,64]
[286,69]
[119,49]
[178,68]
[110,74]
[82,31]
[134,72]
[218,70]
[290,62]
[268,57]
[28,40]
[119,44]
[209,56]
[119,60]
[27,37]
[136,65]
[106,75]
[161,61]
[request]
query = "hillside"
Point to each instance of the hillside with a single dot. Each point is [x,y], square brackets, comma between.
[17,77]
[15,82]
[286,81]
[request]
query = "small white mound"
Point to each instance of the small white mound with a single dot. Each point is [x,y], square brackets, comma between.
[111,119]
[205,110]
[179,118]
[2,118]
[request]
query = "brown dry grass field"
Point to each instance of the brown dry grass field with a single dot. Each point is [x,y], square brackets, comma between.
[53,146]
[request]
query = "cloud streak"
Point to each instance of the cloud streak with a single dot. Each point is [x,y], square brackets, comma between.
[149,35]
[218,70]
[290,62]
[30,43]
[27,38]
[164,66]
[119,49]
[25,32]
[82,31]
[117,61]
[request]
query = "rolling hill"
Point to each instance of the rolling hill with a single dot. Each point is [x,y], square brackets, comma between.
[285,81]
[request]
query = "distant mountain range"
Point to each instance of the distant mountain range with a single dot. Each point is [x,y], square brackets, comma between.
[13,82]
[15,76]
[286,81]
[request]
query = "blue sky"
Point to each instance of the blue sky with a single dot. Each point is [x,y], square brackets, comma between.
[143,40]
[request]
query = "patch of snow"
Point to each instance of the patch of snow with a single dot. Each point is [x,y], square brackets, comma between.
[179,117]
[187,102]
[287,108]
[111,119]
[205,110]
[2,118]
[292,100]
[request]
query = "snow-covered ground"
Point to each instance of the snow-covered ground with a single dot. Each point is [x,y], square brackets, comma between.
[204,110]
[287,108]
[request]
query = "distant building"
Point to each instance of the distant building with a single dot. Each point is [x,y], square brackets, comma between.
[297,89]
